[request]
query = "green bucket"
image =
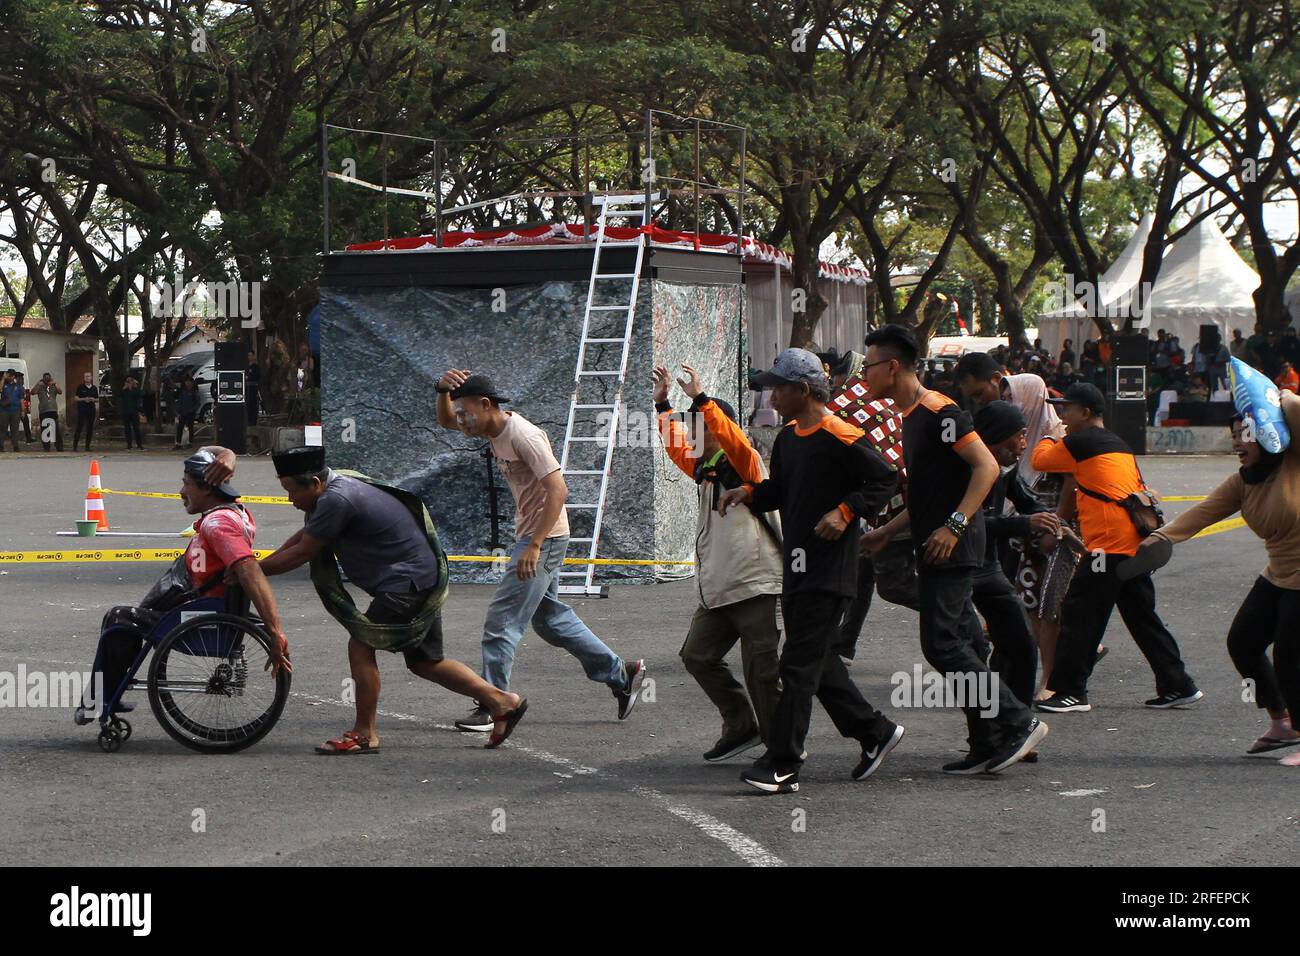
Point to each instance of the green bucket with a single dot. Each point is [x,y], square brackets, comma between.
[87,528]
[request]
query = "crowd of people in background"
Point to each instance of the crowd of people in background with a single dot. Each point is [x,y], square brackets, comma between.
[134,407]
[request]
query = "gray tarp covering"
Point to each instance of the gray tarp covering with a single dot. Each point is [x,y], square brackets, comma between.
[383,350]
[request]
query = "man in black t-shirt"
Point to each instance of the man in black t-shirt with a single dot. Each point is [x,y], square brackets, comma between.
[824,476]
[87,410]
[950,472]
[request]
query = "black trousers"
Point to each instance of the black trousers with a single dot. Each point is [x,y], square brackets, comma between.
[951,638]
[120,637]
[1015,653]
[131,426]
[52,429]
[1094,593]
[86,422]
[1269,615]
[810,667]
[891,573]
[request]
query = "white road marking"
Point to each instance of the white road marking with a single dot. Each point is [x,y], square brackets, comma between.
[752,853]
[1081,793]
[748,850]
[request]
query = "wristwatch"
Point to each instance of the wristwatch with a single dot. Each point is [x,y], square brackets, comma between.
[957,523]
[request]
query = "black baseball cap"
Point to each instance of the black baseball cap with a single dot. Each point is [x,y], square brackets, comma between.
[998,421]
[478,386]
[304,460]
[1084,395]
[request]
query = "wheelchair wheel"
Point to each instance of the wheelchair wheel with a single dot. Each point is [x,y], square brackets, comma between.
[112,735]
[208,685]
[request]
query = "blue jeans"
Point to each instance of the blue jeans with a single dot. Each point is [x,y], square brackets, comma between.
[516,603]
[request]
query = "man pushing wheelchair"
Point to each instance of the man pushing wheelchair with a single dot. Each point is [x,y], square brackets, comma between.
[222,546]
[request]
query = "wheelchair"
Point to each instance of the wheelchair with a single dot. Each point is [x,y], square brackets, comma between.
[207,682]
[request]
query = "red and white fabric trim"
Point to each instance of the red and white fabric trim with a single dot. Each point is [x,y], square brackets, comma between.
[567,234]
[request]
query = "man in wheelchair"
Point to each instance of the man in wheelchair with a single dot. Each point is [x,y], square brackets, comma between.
[223,539]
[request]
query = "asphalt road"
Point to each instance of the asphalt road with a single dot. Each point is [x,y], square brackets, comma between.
[576,786]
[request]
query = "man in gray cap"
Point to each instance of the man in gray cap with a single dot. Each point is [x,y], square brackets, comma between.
[220,553]
[824,476]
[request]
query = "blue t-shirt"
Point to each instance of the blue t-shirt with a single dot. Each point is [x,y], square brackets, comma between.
[11,399]
[377,540]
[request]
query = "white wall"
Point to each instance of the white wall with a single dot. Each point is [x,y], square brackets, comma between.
[44,352]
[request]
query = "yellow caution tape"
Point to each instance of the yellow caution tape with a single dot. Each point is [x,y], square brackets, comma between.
[1182,498]
[107,556]
[253,499]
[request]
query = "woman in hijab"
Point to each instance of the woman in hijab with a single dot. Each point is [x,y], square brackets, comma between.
[1266,490]
[1043,567]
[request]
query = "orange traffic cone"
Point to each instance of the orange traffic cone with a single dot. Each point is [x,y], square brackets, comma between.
[95,498]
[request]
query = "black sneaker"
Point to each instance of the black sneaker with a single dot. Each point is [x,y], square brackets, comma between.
[1064,703]
[769,778]
[478,721]
[972,763]
[627,696]
[1015,751]
[873,758]
[1184,698]
[729,747]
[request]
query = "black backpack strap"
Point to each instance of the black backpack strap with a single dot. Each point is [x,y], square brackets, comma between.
[1093,494]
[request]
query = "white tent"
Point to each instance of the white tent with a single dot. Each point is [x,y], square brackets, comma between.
[1202,281]
[1116,285]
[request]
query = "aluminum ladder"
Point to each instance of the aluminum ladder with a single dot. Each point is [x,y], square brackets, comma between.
[610,206]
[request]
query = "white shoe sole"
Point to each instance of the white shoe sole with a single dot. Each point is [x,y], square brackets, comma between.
[775,787]
[1031,742]
[474,728]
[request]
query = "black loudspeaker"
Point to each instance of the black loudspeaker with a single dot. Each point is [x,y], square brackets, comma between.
[1125,391]
[230,415]
[1210,339]
[1131,349]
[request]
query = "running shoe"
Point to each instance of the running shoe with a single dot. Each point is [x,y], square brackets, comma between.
[729,747]
[1015,751]
[873,758]
[970,764]
[1064,703]
[1184,698]
[477,721]
[766,776]
[634,674]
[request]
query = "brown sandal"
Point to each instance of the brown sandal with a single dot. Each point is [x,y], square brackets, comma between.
[350,743]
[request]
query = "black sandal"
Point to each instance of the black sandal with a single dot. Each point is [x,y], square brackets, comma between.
[512,718]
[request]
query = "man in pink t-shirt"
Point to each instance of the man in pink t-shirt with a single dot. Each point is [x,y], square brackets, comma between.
[529,591]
